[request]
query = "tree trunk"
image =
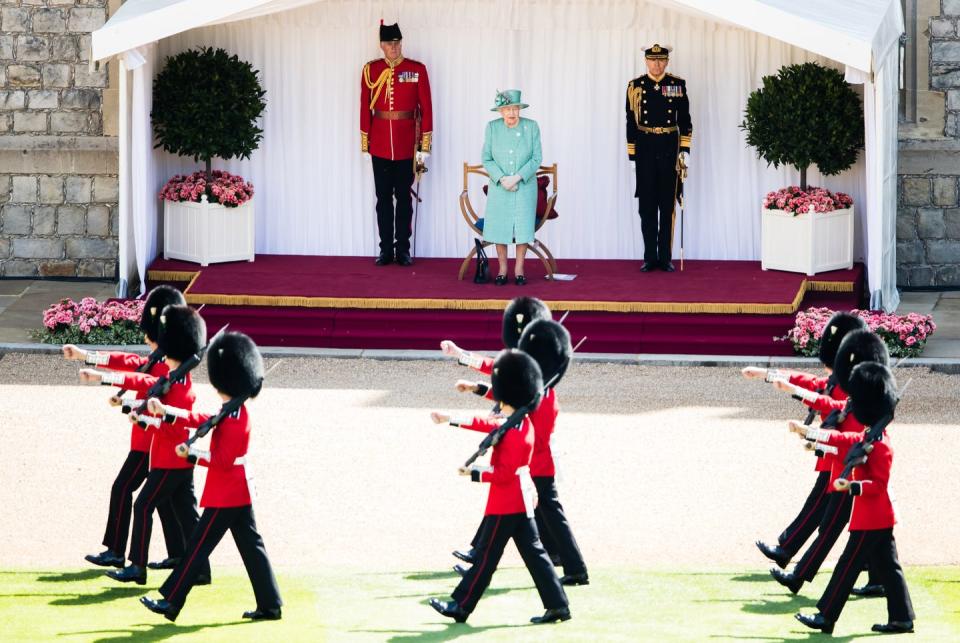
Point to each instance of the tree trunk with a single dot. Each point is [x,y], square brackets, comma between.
[803,178]
[208,175]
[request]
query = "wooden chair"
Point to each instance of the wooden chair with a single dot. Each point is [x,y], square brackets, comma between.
[473,219]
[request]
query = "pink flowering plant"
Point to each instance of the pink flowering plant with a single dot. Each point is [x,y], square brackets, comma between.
[88,321]
[798,201]
[224,188]
[904,335]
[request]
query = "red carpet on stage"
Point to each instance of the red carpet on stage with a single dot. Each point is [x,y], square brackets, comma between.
[713,307]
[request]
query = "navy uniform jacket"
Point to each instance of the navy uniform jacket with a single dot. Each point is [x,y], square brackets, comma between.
[657,104]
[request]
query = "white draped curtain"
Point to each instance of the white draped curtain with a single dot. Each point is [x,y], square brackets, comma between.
[571,58]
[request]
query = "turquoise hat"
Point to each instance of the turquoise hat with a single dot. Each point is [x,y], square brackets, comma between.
[507,98]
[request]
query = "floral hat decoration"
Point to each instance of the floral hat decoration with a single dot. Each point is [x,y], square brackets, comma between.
[507,98]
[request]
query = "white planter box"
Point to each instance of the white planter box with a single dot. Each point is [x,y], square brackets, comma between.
[808,243]
[207,232]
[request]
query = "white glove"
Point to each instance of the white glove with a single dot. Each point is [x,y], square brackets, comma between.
[685,158]
[422,156]
[366,156]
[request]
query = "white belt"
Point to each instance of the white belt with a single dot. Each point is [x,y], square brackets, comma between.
[527,489]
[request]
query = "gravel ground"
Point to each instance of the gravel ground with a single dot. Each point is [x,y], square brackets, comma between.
[661,467]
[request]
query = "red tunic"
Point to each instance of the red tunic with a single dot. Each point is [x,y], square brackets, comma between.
[226,481]
[402,88]
[814,383]
[510,454]
[166,437]
[139,439]
[872,509]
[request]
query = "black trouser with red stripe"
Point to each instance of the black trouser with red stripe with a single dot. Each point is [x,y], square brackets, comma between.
[836,515]
[555,532]
[129,478]
[213,524]
[173,487]
[807,521]
[523,531]
[878,550]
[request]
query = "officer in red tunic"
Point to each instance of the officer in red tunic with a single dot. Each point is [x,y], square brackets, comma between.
[873,391]
[396,129]
[515,383]
[236,371]
[182,334]
[134,469]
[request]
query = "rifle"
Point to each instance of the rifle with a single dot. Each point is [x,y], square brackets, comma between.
[859,452]
[152,361]
[162,386]
[229,407]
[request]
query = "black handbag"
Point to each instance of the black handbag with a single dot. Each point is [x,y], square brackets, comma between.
[482,275]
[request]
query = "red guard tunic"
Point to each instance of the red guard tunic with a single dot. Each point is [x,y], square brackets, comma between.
[872,506]
[825,405]
[511,454]
[139,439]
[163,448]
[391,96]
[226,484]
[815,383]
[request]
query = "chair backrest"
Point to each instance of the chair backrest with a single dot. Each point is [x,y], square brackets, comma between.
[469,212]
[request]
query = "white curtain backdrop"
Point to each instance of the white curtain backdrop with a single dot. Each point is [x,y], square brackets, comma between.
[572,59]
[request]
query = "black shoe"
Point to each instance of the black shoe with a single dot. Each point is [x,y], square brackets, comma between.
[130,574]
[869,591]
[105,559]
[790,581]
[404,259]
[500,280]
[202,579]
[449,609]
[894,627]
[776,554]
[648,266]
[263,615]
[384,259]
[467,556]
[667,266]
[575,579]
[460,569]
[816,622]
[166,563]
[552,616]
[162,607]
[520,280]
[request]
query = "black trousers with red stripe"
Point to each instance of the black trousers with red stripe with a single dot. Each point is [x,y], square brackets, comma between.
[555,532]
[799,531]
[523,531]
[213,525]
[171,487]
[834,521]
[129,478]
[878,550]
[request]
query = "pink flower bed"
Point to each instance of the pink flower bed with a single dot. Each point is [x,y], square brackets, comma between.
[91,322]
[795,200]
[904,335]
[226,189]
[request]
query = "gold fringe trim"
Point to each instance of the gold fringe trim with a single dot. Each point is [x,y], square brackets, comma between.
[830,286]
[171,275]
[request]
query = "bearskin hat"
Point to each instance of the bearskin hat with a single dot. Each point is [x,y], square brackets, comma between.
[833,333]
[182,332]
[857,347]
[873,392]
[235,365]
[548,343]
[158,299]
[518,313]
[516,378]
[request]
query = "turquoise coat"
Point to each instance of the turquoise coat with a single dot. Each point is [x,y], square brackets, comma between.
[509,217]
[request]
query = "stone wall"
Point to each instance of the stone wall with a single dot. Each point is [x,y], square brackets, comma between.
[58,160]
[928,213]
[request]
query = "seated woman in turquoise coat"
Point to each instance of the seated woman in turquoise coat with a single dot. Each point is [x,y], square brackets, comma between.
[511,156]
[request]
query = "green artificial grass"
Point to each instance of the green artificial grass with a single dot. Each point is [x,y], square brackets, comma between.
[357,605]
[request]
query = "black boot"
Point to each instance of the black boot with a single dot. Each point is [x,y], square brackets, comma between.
[816,622]
[467,556]
[776,554]
[105,559]
[166,563]
[449,609]
[648,266]
[263,615]
[404,259]
[130,574]
[162,607]
[790,581]
[553,615]
[667,266]
[894,627]
[869,591]
[575,579]
[383,259]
